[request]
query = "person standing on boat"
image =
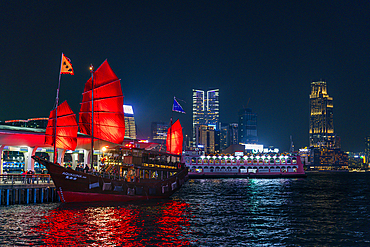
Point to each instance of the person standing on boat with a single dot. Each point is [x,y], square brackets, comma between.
[86,169]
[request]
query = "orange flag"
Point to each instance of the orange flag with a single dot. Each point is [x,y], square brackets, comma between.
[66,66]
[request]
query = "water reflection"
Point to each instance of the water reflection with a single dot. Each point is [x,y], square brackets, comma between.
[110,225]
[322,210]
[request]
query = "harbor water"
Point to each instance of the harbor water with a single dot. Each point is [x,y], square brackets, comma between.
[324,209]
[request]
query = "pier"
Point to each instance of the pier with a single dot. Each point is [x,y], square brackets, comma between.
[26,189]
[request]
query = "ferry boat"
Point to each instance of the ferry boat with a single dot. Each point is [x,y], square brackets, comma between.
[131,170]
[247,166]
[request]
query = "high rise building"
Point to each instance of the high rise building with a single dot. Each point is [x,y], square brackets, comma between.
[205,109]
[232,134]
[130,126]
[223,128]
[159,131]
[247,126]
[205,137]
[367,149]
[321,130]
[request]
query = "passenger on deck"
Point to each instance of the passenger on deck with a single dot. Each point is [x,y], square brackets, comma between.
[86,169]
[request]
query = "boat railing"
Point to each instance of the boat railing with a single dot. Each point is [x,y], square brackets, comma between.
[19,179]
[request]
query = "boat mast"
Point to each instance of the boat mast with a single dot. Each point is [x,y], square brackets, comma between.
[56,115]
[92,115]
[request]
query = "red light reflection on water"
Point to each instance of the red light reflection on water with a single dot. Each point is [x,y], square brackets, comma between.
[160,224]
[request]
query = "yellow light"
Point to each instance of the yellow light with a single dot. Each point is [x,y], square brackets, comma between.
[104,149]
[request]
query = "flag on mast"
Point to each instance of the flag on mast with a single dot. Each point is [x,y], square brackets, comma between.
[66,66]
[176,106]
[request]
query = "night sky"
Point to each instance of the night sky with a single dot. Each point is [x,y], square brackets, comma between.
[260,54]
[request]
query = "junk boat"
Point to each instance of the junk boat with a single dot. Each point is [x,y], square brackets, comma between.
[247,166]
[130,170]
[128,174]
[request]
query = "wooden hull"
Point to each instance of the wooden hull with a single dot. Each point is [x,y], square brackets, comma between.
[75,186]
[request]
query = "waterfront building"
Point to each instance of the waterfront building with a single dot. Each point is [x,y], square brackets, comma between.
[321,132]
[247,132]
[367,149]
[232,134]
[205,138]
[130,126]
[328,159]
[223,129]
[205,110]
[159,131]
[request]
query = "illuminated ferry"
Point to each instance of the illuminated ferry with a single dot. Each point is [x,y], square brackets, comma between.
[250,165]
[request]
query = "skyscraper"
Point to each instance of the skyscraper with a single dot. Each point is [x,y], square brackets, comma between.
[159,131]
[130,126]
[205,138]
[321,130]
[247,126]
[205,109]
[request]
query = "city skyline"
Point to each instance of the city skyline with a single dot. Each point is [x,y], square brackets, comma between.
[261,55]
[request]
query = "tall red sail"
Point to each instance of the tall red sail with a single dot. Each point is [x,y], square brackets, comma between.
[109,121]
[174,138]
[66,131]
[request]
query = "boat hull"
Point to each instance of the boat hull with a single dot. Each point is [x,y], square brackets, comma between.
[75,186]
[247,175]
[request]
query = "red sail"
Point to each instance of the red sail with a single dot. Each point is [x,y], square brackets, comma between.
[66,136]
[174,138]
[109,121]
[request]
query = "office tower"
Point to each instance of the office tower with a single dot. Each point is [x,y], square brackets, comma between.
[247,126]
[223,128]
[321,130]
[159,131]
[205,137]
[205,109]
[367,149]
[232,134]
[130,126]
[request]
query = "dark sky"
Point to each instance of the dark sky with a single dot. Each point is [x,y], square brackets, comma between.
[263,52]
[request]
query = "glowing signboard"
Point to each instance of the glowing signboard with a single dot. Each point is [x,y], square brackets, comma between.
[127,109]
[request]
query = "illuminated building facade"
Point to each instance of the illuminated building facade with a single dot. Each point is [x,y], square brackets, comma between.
[223,129]
[321,130]
[159,131]
[232,134]
[205,138]
[205,109]
[367,149]
[328,159]
[247,126]
[130,126]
